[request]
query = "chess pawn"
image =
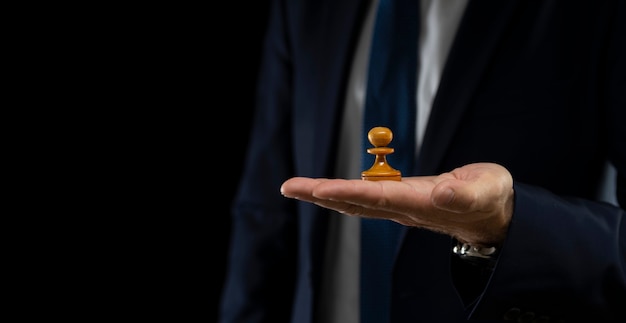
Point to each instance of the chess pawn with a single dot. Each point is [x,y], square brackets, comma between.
[380,137]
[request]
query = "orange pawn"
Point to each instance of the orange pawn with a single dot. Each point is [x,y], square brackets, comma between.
[380,137]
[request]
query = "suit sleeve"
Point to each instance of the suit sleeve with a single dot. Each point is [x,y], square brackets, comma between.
[261,264]
[565,258]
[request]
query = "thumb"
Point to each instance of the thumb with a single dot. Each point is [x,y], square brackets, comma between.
[454,196]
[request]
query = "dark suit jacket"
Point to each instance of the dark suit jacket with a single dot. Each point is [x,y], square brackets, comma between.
[537,86]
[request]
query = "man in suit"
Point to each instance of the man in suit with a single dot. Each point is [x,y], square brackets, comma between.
[529,108]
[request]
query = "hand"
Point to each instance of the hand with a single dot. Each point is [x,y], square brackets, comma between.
[473,203]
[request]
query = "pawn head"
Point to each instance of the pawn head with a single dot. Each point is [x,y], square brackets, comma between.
[380,136]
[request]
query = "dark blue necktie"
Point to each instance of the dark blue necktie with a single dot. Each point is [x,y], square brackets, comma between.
[390,102]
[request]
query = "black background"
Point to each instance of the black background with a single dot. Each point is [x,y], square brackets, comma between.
[179,124]
[147,109]
[240,81]
[174,105]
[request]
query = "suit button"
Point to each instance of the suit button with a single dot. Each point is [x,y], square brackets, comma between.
[512,314]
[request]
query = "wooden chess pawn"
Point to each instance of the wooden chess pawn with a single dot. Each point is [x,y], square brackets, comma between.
[380,137]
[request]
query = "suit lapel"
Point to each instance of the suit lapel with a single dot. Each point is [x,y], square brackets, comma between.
[326,57]
[333,44]
[480,29]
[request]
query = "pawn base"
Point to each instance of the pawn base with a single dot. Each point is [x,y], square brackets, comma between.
[381,178]
[381,174]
